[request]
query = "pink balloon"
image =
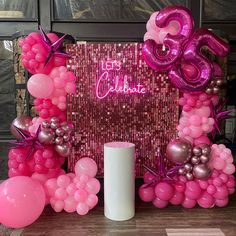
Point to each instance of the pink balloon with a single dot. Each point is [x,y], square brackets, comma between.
[93,186]
[51,186]
[222,202]
[148,177]
[80,195]
[189,203]
[70,204]
[86,166]
[193,190]
[63,181]
[221,192]
[22,201]
[206,200]
[61,194]
[82,208]
[164,191]
[40,86]
[157,202]
[177,199]
[147,194]
[201,140]
[58,206]
[92,200]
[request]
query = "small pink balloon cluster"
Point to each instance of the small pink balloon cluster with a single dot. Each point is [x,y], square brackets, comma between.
[196,121]
[43,161]
[64,82]
[205,193]
[158,34]
[222,159]
[75,192]
[47,110]
[54,86]
[34,54]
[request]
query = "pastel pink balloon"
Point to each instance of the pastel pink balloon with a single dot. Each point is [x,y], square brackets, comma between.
[22,201]
[152,20]
[229,169]
[195,120]
[61,194]
[71,188]
[40,86]
[86,166]
[153,35]
[196,131]
[91,200]
[58,206]
[157,202]
[93,186]
[82,208]
[63,181]
[50,186]
[70,204]
[164,191]
[206,200]
[80,195]
[147,194]
[189,203]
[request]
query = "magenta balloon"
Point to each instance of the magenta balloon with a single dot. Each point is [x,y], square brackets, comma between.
[174,43]
[193,55]
[217,71]
[40,86]
[22,201]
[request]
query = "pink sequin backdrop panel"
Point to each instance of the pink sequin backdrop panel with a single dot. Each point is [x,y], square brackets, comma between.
[147,119]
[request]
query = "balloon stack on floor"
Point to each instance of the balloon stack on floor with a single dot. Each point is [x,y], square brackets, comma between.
[35,160]
[203,171]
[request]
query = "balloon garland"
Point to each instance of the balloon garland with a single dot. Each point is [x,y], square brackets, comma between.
[203,173]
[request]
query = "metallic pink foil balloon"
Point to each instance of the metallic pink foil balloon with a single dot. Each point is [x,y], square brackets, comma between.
[174,43]
[21,122]
[179,151]
[193,56]
[201,171]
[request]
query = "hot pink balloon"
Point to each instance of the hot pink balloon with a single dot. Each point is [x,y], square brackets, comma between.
[147,194]
[173,42]
[193,55]
[164,191]
[22,201]
[189,203]
[157,202]
[206,200]
[40,86]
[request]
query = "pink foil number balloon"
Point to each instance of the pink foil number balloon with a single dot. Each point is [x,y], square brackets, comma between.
[201,68]
[174,43]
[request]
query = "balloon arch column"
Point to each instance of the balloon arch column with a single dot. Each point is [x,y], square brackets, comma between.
[201,172]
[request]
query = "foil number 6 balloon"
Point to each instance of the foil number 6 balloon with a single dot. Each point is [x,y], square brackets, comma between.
[174,43]
[194,59]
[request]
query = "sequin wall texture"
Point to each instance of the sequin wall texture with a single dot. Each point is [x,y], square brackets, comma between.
[119,98]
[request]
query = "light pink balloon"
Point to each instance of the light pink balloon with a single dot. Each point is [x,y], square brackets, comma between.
[153,35]
[61,194]
[229,169]
[82,208]
[51,186]
[92,200]
[202,139]
[152,20]
[58,206]
[40,86]
[80,195]
[70,204]
[93,186]
[86,166]
[63,181]
[22,201]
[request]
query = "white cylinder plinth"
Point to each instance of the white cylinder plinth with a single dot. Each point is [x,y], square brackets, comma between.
[119,180]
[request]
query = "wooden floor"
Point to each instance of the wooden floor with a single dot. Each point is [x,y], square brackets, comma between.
[171,221]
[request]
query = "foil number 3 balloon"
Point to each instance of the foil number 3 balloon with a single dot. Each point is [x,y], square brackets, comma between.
[189,69]
[197,70]
[174,43]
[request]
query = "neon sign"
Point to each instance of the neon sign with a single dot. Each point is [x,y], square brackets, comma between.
[108,84]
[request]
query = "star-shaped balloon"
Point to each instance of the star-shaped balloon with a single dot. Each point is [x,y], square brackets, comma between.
[28,141]
[53,48]
[163,173]
[219,114]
